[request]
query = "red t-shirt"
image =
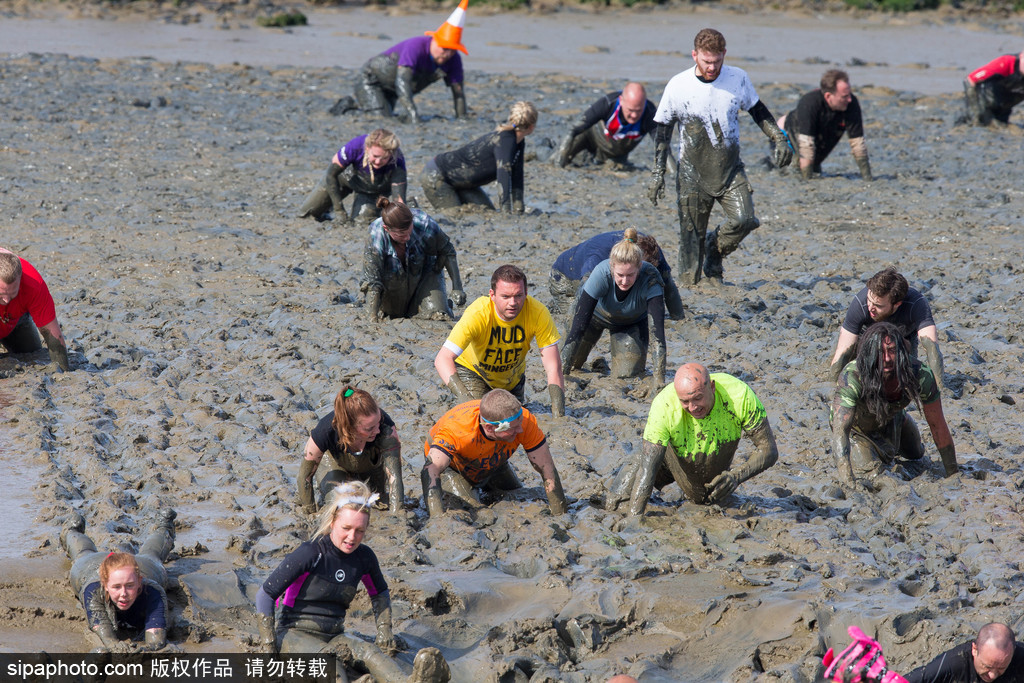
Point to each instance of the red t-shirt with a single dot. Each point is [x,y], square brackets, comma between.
[33,297]
[472,454]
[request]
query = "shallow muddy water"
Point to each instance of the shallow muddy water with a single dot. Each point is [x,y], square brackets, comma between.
[210,328]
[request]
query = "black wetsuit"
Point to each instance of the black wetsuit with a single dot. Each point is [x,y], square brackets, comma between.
[957,666]
[316,582]
[494,156]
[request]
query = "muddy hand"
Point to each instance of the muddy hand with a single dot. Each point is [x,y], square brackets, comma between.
[721,486]
[656,190]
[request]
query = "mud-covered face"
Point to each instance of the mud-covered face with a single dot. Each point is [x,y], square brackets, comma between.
[841,98]
[697,399]
[888,357]
[123,587]
[9,291]
[509,299]
[709,64]
[348,529]
[377,156]
[625,275]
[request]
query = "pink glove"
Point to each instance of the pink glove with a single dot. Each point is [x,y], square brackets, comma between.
[860,662]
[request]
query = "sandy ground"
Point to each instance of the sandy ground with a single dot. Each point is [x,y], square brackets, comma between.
[210,328]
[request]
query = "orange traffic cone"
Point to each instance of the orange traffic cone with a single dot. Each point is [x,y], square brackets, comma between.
[449,36]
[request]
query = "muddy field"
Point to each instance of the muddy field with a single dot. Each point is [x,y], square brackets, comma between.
[210,328]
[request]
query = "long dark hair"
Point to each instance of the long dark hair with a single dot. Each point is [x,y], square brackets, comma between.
[869,367]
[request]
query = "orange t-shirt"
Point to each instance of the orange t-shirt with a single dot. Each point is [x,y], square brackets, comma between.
[474,456]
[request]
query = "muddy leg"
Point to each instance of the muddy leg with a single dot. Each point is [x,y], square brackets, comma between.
[364,204]
[24,338]
[457,485]
[477,197]
[439,193]
[738,205]
[694,209]
[629,351]
[475,385]
[864,457]
[317,203]
[911,445]
[430,300]
[370,94]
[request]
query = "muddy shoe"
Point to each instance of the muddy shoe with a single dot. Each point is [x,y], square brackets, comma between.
[430,667]
[75,522]
[712,257]
[165,519]
[343,106]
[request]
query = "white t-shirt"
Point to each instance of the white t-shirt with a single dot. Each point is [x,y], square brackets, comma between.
[708,117]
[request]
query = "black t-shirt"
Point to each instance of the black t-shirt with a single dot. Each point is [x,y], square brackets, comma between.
[957,666]
[494,156]
[813,117]
[371,457]
[316,582]
[602,111]
[912,315]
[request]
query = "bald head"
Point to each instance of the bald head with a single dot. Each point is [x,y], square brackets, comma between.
[695,390]
[993,651]
[633,100]
[622,678]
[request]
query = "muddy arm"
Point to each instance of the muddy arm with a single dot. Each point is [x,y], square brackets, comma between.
[673,301]
[583,312]
[650,460]
[541,460]
[392,457]
[265,622]
[846,349]
[929,339]
[404,90]
[766,454]
[766,122]
[662,138]
[860,154]
[304,482]
[459,100]
[399,183]
[940,433]
[385,640]
[55,344]
[333,183]
[431,478]
[842,423]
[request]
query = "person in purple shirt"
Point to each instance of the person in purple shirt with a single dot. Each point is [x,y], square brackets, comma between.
[368,166]
[403,70]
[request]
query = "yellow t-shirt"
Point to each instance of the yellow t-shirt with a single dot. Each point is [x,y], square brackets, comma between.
[496,349]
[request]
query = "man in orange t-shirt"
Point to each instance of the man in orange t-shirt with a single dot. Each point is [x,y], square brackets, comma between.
[471,444]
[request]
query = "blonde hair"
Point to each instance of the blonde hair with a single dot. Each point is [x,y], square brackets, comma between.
[626,250]
[522,117]
[499,404]
[352,495]
[10,267]
[111,563]
[383,138]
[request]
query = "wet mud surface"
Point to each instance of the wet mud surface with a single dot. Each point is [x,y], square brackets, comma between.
[210,328]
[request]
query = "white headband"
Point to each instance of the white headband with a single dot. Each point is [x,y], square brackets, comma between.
[357,500]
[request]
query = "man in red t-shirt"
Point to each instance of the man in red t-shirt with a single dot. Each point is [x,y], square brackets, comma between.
[992,91]
[24,299]
[471,444]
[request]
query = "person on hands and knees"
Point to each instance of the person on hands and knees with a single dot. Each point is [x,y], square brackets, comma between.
[25,299]
[692,433]
[404,260]
[487,347]
[470,447]
[870,426]
[315,584]
[363,444]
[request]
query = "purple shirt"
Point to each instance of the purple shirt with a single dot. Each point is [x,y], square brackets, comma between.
[415,54]
[355,150]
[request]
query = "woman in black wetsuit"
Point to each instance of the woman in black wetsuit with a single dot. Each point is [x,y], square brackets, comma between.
[315,584]
[455,178]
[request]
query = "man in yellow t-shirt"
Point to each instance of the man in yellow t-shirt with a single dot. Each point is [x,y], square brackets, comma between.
[487,347]
[471,444]
[699,420]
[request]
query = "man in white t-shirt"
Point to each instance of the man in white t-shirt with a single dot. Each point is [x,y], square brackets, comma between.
[706,101]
